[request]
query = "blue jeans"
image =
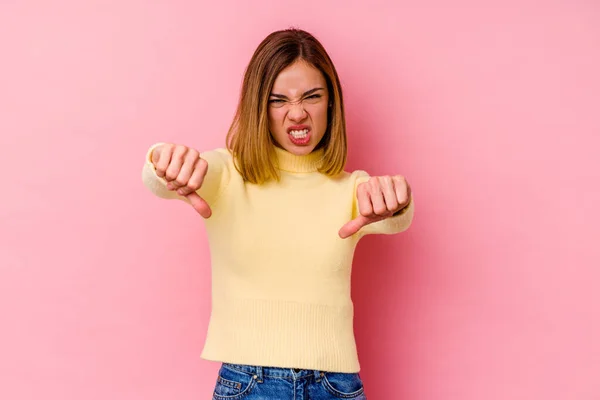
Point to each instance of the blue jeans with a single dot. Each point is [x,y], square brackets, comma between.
[236,382]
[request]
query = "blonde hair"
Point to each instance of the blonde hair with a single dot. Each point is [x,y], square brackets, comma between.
[249,139]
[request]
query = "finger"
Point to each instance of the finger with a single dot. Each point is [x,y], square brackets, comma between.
[351,227]
[402,189]
[379,207]
[185,173]
[164,158]
[156,154]
[199,204]
[364,202]
[175,165]
[196,179]
[365,209]
[389,193]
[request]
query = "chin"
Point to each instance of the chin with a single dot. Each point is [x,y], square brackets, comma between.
[300,150]
[285,144]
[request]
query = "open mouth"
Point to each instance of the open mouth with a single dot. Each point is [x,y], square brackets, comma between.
[299,134]
[299,137]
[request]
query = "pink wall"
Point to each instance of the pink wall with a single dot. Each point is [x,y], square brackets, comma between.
[491,111]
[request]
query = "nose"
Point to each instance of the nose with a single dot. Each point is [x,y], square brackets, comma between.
[297,112]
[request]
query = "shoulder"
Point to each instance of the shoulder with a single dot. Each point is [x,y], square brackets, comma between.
[219,155]
[349,178]
[218,152]
[355,177]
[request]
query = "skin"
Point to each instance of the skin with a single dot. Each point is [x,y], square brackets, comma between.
[299,81]
[299,97]
[184,171]
[379,198]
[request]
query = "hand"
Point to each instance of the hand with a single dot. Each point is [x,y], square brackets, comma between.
[378,198]
[184,171]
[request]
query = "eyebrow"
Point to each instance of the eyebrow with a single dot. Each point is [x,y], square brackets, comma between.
[309,92]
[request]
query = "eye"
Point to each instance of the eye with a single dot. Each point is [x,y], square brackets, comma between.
[312,99]
[275,101]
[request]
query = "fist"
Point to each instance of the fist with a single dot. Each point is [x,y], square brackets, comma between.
[378,198]
[184,171]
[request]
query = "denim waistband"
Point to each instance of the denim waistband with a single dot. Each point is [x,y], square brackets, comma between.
[275,372]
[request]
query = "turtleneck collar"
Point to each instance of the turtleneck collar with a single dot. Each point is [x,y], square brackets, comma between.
[294,163]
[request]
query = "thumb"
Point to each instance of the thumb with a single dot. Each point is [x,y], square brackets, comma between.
[199,204]
[351,227]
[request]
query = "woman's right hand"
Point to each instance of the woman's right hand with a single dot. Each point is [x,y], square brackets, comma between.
[184,171]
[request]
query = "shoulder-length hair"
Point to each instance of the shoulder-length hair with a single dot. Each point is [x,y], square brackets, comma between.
[249,139]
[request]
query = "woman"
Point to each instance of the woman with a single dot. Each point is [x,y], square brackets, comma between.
[283,219]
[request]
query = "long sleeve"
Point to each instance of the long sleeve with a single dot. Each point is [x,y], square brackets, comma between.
[388,226]
[216,179]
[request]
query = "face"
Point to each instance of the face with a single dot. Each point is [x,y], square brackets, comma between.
[298,108]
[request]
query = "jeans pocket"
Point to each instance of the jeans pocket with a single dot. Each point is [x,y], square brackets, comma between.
[343,385]
[233,384]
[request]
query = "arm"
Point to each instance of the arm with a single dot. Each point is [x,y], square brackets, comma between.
[399,222]
[378,199]
[216,179]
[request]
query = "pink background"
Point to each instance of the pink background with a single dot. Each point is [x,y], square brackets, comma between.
[490,109]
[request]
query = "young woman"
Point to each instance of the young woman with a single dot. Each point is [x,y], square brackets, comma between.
[283,219]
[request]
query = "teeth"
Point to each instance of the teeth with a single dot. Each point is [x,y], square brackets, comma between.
[299,134]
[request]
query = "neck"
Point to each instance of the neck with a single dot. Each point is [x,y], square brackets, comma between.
[299,163]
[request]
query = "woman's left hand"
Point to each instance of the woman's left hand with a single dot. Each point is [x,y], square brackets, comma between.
[378,198]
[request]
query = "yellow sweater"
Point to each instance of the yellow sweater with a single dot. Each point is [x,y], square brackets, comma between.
[280,272]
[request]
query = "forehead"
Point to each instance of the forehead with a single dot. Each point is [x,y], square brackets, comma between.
[297,78]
